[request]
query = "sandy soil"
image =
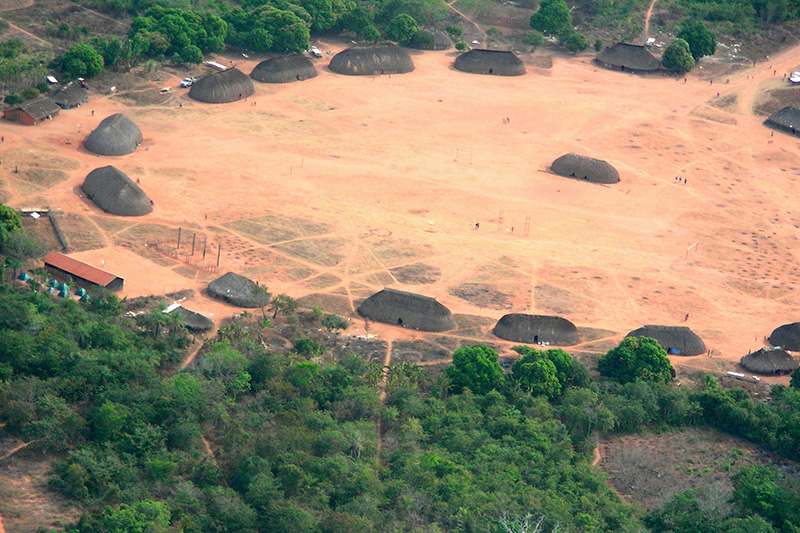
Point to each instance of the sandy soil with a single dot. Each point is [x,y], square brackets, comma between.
[329,185]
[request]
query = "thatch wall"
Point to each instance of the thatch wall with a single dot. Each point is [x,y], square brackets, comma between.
[194,321]
[113,191]
[115,135]
[535,329]
[407,310]
[770,361]
[628,57]
[222,87]
[284,69]
[786,336]
[495,62]
[237,290]
[368,60]
[585,168]
[675,339]
[786,119]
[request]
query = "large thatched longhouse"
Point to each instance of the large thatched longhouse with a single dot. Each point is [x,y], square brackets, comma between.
[284,69]
[585,168]
[770,361]
[676,340]
[537,329]
[115,135]
[371,59]
[628,57]
[222,87]
[114,192]
[786,336]
[408,310]
[495,62]
[786,119]
[238,290]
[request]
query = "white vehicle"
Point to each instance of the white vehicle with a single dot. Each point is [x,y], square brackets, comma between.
[187,82]
[316,52]
[795,77]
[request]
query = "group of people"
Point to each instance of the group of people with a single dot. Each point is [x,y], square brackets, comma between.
[679,179]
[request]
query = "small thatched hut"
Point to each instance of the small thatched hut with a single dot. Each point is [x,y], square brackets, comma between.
[495,62]
[238,290]
[115,135]
[284,69]
[408,310]
[628,57]
[194,321]
[371,59]
[786,119]
[113,191]
[222,87]
[770,361]
[585,168]
[537,329]
[676,340]
[786,336]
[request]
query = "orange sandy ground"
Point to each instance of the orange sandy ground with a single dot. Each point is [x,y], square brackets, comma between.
[375,159]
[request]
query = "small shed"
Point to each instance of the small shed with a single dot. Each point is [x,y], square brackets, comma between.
[786,119]
[33,112]
[84,275]
[771,361]
[71,95]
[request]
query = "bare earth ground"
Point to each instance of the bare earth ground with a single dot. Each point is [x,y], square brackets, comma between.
[331,189]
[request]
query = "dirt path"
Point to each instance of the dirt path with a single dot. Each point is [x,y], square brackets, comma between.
[597,456]
[647,19]
[29,34]
[28,3]
[14,450]
[462,15]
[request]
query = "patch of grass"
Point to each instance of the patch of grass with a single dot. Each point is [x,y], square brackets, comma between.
[482,295]
[81,234]
[324,251]
[272,229]
[416,274]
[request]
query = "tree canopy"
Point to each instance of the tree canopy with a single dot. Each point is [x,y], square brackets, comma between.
[553,18]
[699,38]
[637,359]
[677,57]
[475,368]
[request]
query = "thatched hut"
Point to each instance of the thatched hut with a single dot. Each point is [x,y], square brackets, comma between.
[786,119]
[628,57]
[407,310]
[676,340]
[71,95]
[222,87]
[585,168]
[495,62]
[194,321]
[238,290]
[284,69]
[431,40]
[371,59]
[113,191]
[115,135]
[770,361]
[537,329]
[786,336]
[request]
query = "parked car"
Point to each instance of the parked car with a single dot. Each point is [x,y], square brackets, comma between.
[187,82]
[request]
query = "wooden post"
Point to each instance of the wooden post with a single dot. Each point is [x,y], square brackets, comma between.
[219,253]
[194,237]
[205,243]
[179,238]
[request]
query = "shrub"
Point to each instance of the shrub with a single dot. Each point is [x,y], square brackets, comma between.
[533,38]
[454,31]
[30,93]
[461,46]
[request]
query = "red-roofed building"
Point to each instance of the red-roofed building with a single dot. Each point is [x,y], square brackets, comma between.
[86,276]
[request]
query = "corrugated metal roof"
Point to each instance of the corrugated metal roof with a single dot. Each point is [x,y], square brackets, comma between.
[71,95]
[40,108]
[79,269]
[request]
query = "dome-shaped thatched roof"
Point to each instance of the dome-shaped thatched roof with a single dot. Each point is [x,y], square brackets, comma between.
[237,290]
[630,57]
[284,69]
[678,340]
[786,336]
[116,193]
[222,87]
[408,310]
[770,361]
[786,119]
[495,62]
[115,135]
[533,329]
[194,321]
[367,60]
[431,40]
[585,168]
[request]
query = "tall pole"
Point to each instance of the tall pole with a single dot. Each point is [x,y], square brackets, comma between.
[205,243]
[179,238]
[194,237]
[219,253]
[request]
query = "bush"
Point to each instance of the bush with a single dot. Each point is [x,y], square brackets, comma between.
[454,31]
[402,29]
[12,99]
[576,42]
[494,34]
[3,25]
[461,46]
[423,40]
[598,44]
[31,93]
[677,57]
[533,38]
[43,88]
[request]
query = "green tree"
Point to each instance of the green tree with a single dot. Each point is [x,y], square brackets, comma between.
[454,31]
[553,18]
[402,28]
[637,359]
[534,39]
[461,46]
[576,42]
[20,246]
[677,57]
[80,60]
[795,381]
[598,44]
[700,39]
[476,368]
[145,516]
[191,54]
[282,304]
